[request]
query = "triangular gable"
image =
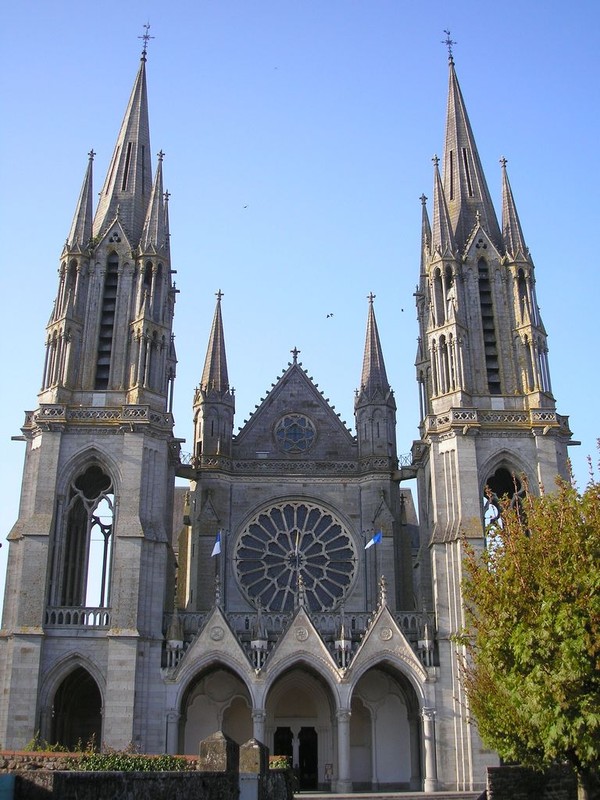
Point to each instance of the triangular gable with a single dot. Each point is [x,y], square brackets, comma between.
[479,245]
[300,641]
[384,637]
[295,393]
[114,235]
[215,642]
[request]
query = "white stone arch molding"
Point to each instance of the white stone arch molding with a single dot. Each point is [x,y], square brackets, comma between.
[347,527]
[317,667]
[210,661]
[54,676]
[415,673]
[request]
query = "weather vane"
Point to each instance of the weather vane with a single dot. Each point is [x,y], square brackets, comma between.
[448,42]
[146,38]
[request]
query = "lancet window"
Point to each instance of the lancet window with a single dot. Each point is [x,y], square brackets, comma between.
[84,542]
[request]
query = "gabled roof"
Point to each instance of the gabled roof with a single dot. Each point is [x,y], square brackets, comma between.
[295,393]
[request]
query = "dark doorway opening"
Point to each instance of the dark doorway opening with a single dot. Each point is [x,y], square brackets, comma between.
[308,757]
[282,743]
[77,712]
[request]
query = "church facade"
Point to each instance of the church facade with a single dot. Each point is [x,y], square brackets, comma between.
[296,592]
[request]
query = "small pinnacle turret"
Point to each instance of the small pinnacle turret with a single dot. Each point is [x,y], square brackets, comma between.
[441,236]
[214,375]
[155,235]
[374,405]
[373,378]
[512,233]
[81,227]
[214,402]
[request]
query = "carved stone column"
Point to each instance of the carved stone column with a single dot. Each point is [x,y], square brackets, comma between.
[430,783]
[259,719]
[172,743]
[344,782]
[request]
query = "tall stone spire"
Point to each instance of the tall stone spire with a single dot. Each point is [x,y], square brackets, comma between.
[374,377]
[129,180]
[512,232]
[465,187]
[374,405]
[214,402]
[214,374]
[81,227]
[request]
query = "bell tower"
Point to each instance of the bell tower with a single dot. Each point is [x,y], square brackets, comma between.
[90,561]
[488,416]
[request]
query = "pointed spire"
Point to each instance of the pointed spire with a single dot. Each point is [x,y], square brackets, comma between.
[511,226]
[81,227]
[214,374]
[464,183]
[373,376]
[129,179]
[442,237]
[154,234]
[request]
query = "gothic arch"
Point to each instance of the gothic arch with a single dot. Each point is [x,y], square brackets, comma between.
[398,666]
[385,730]
[300,710]
[72,702]
[83,535]
[215,698]
[326,672]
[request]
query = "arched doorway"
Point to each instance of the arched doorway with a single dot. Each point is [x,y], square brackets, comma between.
[299,725]
[385,733]
[77,711]
[217,700]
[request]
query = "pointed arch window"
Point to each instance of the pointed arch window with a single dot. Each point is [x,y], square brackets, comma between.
[84,543]
[501,484]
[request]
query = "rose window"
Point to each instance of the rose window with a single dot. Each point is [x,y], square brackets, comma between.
[295,433]
[295,547]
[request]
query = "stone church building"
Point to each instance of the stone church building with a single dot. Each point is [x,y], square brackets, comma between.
[296,592]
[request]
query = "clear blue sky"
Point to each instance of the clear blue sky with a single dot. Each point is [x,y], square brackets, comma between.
[298,137]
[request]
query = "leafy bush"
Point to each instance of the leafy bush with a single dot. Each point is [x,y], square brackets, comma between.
[122,761]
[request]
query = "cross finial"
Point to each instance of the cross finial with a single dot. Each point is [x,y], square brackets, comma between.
[167,195]
[436,161]
[160,155]
[146,38]
[449,42]
[91,154]
[219,295]
[503,162]
[371,297]
[295,353]
[423,199]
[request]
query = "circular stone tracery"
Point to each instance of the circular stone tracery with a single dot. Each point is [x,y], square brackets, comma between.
[295,433]
[292,547]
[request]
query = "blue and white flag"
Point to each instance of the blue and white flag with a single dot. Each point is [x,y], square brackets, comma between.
[374,540]
[217,545]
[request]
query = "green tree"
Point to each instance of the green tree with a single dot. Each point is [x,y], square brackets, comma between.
[532,597]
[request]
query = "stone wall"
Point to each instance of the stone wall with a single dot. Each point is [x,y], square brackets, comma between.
[48,776]
[520,783]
